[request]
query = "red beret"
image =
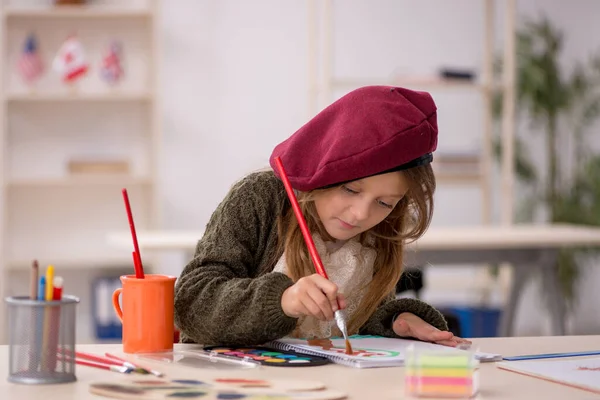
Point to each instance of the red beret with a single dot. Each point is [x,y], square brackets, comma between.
[371,130]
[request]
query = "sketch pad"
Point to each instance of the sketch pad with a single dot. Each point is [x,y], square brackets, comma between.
[215,389]
[582,373]
[369,351]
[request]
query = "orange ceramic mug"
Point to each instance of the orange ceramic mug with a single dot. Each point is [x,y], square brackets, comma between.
[147,313]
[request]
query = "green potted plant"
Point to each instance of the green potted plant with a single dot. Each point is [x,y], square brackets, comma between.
[560,108]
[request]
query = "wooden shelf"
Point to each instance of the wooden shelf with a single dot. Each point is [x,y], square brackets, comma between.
[62,97]
[83,180]
[29,115]
[77,263]
[459,177]
[411,83]
[324,87]
[76,12]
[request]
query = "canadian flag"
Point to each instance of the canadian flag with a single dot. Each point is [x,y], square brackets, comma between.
[70,60]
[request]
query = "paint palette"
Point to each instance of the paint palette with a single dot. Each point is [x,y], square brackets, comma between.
[216,389]
[270,357]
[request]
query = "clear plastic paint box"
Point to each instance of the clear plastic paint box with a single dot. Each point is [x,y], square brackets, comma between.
[448,373]
[41,340]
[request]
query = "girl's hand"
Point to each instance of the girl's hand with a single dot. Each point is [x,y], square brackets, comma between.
[312,295]
[409,325]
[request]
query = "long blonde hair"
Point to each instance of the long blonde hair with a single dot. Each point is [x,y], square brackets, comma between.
[409,220]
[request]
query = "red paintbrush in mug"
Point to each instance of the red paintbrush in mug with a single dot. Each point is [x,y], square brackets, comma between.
[137,258]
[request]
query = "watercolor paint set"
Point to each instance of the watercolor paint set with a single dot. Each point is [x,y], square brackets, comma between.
[223,358]
[269,356]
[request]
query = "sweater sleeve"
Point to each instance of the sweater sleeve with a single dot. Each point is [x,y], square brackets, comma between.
[218,298]
[380,323]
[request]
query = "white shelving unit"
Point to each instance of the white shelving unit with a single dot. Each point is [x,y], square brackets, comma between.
[47,212]
[323,86]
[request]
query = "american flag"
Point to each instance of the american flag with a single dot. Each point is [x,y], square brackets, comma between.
[30,63]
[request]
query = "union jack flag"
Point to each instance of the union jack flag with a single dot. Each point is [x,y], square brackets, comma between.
[111,69]
[30,64]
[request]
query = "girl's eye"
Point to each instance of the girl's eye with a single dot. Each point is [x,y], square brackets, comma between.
[386,205]
[348,190]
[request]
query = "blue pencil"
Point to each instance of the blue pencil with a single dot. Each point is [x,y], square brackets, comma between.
[552,355]
[42,289]
[39,329]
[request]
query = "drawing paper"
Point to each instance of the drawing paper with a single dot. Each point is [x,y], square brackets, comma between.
[583,373]
[369,351]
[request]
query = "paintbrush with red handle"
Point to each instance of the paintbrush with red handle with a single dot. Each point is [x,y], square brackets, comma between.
[340,315]
[137,258]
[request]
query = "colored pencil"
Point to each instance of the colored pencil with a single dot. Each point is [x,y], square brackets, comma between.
[552,355]
[48,319]
[39,328]
[34,280]
[57,289]
[42,289]
[138,266]
[34,350]
[49,283]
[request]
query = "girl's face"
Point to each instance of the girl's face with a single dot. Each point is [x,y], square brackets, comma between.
[357,206]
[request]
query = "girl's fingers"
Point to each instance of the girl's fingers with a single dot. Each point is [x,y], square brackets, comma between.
[456,342]
[327,289]
[402,328]
[322,301]
[342,301]
[436,335]
[312,307]
[449,343]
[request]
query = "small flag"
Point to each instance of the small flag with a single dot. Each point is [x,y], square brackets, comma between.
[30,64]
[111,69]
[70,60]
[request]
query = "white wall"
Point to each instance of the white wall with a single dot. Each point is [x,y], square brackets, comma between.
[234,81]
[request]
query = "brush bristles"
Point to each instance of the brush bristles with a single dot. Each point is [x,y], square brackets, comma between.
[349,348]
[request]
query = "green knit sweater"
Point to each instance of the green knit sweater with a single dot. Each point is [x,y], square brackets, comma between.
[228,294]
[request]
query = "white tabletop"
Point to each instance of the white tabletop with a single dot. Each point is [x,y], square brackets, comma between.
[520,236]
[384,383]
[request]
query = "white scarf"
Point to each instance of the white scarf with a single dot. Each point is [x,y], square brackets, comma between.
[350,267]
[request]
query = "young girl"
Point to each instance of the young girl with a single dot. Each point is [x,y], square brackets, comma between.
[361,170]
